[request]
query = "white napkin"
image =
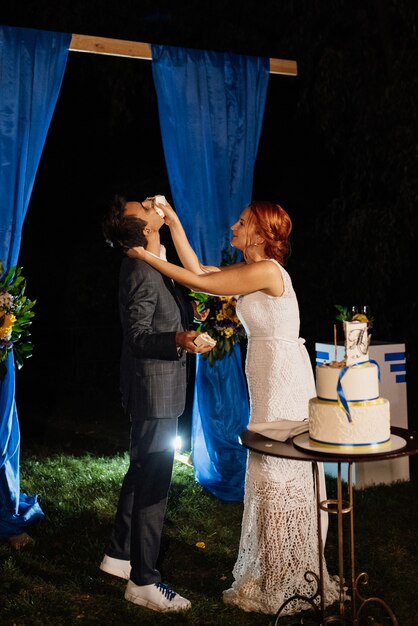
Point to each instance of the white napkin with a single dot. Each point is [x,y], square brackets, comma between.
[281,430]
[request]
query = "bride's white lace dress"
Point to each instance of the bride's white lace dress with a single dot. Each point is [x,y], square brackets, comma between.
[279,540]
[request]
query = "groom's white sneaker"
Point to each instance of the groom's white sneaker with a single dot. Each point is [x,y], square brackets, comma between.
[158,597]
[116,567]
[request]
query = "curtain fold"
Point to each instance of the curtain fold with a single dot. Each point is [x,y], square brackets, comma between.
[32,65]
[211,106]
[220,414]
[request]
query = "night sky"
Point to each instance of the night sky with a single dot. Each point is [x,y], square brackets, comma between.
[320,130]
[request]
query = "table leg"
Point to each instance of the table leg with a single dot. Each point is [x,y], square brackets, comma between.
[359,604]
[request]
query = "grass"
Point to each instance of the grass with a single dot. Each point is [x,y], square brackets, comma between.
[55,580]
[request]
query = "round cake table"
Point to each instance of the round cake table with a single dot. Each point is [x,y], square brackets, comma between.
[403,443]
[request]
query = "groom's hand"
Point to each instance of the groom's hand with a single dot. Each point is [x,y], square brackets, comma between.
[185,341]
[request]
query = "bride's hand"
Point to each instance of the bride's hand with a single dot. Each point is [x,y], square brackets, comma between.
[138,252]
[170,216]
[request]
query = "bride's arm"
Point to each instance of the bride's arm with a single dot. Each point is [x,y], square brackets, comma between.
[239,279]
[187,255]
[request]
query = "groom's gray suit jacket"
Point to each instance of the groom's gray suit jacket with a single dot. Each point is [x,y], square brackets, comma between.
[152,375]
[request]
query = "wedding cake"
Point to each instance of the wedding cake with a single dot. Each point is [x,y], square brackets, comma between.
[348,412]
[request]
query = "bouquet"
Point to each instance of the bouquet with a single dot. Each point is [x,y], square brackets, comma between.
[15,318]
[222,323]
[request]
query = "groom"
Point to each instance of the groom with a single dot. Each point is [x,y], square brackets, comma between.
[155,320]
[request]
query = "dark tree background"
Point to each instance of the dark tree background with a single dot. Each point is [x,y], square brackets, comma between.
[338,150]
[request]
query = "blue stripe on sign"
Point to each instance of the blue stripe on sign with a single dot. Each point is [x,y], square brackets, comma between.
[322,355]
[397,367]
[394,356]
[401,378]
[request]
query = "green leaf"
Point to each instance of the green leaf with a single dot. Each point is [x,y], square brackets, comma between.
[26,348]
[344,313]
[199,296]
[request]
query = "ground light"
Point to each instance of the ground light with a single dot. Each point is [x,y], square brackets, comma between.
[183,458]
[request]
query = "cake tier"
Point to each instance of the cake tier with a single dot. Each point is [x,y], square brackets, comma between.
[329,425]
[360,382]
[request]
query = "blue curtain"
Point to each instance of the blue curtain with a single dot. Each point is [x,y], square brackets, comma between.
[32,65]
[211,107]
[220,414]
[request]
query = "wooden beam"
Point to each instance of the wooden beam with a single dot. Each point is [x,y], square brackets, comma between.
[282,66]
[113,47]
[138,50]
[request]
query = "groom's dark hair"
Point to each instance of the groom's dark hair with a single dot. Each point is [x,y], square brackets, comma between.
[120,230]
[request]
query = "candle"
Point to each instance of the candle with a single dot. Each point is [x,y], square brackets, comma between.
[335,342]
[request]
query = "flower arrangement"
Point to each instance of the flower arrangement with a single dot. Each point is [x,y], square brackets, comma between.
[15,318]
[222,322]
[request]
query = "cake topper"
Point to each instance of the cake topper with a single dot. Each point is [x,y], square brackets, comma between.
[356,342]
[357,338]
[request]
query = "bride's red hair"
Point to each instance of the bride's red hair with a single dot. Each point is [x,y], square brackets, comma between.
[274,225]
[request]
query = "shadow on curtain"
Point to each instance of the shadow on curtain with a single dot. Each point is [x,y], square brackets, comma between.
[32,66]
[211,107]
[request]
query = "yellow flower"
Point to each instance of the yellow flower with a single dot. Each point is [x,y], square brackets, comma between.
[359,317]
[201,545]
[7,322]
[229,310]
[228,332]
[220,316]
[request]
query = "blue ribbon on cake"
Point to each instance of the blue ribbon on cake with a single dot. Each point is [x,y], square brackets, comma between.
[342,400]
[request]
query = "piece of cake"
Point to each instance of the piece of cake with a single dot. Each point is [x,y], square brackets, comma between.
[160,200]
